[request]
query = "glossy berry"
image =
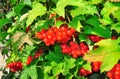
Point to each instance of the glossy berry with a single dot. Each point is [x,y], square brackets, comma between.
[95,38]
[29,60]
[38,53]
[84,72]
[15,66]
[114,73]
[96,66]
[54,34]
[74,49]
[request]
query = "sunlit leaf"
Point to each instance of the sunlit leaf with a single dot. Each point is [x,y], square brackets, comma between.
[84,9]
[108,53]
[28,2]
[105,47]
[37,10]
[96,1]
[68,64]
[106,11]
[116,27]
[87,66]
[109,61]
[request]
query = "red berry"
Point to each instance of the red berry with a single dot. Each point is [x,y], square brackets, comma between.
[84,72]
[95,38]
[38,53]
[15,66]
[114,73]
[29,60]
[96,66]
[60,18]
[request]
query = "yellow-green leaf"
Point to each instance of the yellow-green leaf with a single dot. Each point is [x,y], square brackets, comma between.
[37,10]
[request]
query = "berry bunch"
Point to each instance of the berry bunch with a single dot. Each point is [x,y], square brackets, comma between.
[53,34]
[96,66]
[31,58]
[114,73]
[15,66]
[84,72]
[74,49]
[95,38]
[38,53]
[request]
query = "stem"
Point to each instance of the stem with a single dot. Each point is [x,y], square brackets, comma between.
[67,16]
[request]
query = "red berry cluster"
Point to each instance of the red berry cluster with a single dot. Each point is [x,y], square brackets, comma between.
[63,34]
[114,73]
[74,49]
[96,66]
[95,38]
[38,53]
[84,72]
[30,58]
[15,66]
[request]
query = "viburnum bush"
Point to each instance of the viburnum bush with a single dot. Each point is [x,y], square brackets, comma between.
[60,39]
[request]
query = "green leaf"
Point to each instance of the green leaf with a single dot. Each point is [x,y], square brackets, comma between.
[60,9]
[18,8]
[33,72]
[24,74]
[97,28]
[69,76]
[4,22]
[109,61]
[76,23]
[10,14]
[84,8]
[116,14]
[106,11]
[68,64]
[55,55]
[105,47]
[56,70]
[59,23]
[37,10]
[82,37]
[29,71]
[15,48]
[96,1]
[28,2]
[43,24]
[87,66]
[116,27]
